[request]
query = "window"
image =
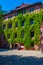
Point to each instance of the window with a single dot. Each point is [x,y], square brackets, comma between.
[5,18]
[15,14]
[22,23]
[23,11]
[10,16]
[31,21]
[10,25]
[27,10]
[15,35]
[32,34]
[4,26]
[38,7]
[22,34]
[41,33]
[8,36]
[32,44]
[16,25]
[32,9]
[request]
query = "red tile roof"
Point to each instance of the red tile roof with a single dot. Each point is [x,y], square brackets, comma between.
[22,6]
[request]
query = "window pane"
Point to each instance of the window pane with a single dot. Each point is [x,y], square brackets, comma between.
[32,33]
[22,24]
[22,34]
[31,22]
[16,25]
[10,16]
[32,44]
[23,11]
[10,25]
[32,9]
[15,14]
[15,35]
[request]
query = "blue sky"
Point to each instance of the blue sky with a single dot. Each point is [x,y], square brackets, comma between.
[11,4]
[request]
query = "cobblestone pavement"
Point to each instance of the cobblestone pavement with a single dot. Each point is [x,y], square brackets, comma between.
[17,57]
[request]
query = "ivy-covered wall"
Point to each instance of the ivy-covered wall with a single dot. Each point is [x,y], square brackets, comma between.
[27,40]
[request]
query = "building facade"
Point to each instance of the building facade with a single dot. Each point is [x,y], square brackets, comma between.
[22,25]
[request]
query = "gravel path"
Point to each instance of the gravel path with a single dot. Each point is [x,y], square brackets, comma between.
[17,57]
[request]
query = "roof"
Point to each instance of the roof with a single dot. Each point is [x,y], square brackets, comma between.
[22,6]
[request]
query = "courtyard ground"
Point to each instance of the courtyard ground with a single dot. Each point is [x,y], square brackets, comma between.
[20,57]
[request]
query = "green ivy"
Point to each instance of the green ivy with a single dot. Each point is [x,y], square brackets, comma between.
[37,17]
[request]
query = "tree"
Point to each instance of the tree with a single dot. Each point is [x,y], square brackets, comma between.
[1,19]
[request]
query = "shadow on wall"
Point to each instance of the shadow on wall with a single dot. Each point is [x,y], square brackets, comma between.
[4,50]
[19,60]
